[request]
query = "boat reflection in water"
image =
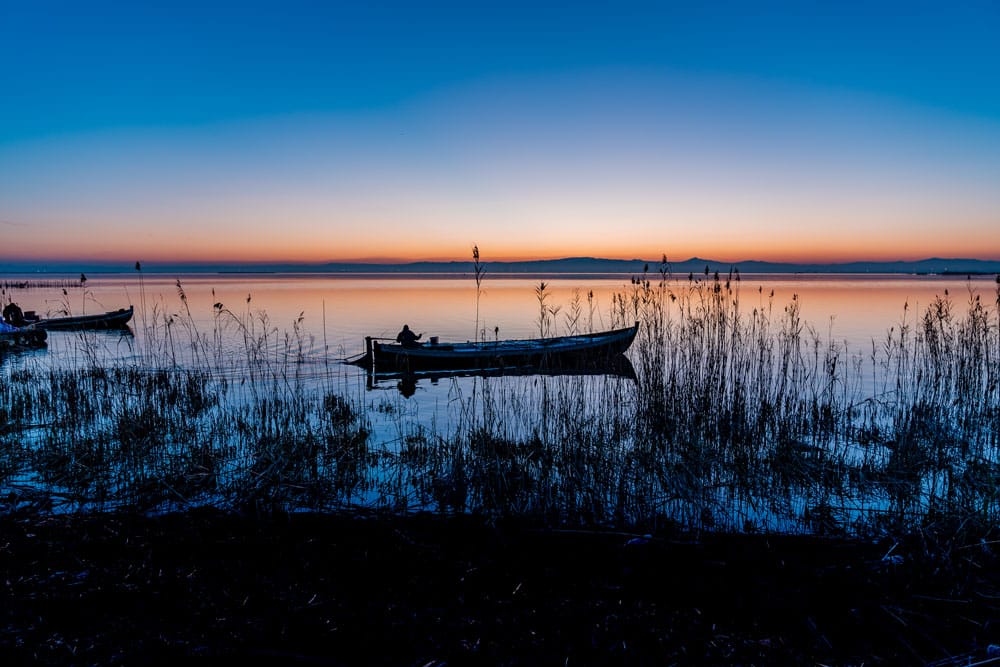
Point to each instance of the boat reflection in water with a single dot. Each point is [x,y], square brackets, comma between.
[407,381]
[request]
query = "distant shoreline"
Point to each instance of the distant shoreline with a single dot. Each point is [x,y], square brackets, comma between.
[568,267]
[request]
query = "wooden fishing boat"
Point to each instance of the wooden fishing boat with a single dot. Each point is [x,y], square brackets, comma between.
[537,353]
[116,319]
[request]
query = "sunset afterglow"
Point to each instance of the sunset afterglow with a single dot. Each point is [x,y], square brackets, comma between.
[312,134]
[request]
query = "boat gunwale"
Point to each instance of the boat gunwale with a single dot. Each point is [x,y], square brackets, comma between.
[557,344]
[112,319]
[539,352]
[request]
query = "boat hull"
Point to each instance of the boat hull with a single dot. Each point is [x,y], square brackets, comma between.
[117,319]
[566,352]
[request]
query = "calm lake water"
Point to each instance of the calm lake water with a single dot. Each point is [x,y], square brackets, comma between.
[337,312]
[305,326]
[323,319]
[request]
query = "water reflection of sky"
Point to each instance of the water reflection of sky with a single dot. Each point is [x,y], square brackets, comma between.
[297,329]
[305,325]
[337,312]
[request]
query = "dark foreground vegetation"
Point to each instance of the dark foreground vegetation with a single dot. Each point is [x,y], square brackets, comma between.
[431,590]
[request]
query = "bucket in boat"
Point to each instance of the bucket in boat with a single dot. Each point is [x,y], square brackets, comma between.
[434,340]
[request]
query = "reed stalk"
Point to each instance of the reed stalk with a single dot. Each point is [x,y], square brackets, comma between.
[479,272]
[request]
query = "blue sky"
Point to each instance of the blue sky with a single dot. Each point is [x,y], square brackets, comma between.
[296,130]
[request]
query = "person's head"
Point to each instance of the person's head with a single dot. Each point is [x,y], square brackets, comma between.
[406,327]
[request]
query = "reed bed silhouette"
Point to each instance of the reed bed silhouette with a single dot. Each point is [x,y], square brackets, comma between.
[181,419]
[757,410]
[31,284]
[742,417]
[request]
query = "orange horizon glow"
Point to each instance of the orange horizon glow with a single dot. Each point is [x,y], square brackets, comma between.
[830,255]
[821,238]
[292,251]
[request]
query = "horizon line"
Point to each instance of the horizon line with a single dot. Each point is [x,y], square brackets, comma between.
[42,265]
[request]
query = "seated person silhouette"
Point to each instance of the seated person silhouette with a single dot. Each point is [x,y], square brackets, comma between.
[13,315]
[407,338]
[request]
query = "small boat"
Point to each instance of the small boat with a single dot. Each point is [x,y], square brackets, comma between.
[18,339]
[115,319]
[537,353]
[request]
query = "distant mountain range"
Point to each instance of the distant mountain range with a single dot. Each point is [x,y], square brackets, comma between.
[569,265]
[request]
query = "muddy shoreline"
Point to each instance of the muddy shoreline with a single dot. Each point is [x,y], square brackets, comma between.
[429,590]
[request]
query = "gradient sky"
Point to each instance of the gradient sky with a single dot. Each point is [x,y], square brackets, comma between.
[328,131]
